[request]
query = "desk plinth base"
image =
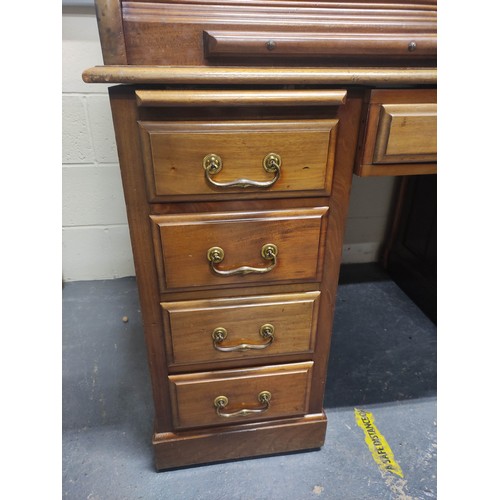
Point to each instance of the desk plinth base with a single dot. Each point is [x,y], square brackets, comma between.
[239,441]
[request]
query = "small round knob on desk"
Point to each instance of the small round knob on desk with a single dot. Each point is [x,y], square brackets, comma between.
[271,45]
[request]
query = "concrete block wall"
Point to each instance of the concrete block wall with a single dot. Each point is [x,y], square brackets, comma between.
[96,243]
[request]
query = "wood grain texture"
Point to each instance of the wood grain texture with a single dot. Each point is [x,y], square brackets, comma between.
[341,185]
[400,133]
[394,4]
[174,152]
[194,294]
[287,95]
[109,22]
[257,74]
[366,16]
[189,326]
[193,395]
[187,98]
[230,44]
[407,133]
[182,243]
[239,441]
[403,96]
[396,169]
[147,25]
[349,120]
[124,111]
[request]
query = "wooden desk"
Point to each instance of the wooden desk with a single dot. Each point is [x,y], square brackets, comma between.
[238,128]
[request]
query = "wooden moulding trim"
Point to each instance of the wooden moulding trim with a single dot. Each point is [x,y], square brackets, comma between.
[236,44]
[256,75]
[396,169]
[393,4]
[239,441]
[185,435]
[312,13]
[240,98]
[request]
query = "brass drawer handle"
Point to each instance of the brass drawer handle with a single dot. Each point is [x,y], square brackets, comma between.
[221,402]
[212,164]
[269,251]
[219,335]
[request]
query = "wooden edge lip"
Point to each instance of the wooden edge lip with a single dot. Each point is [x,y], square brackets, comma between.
[188,434]
[227,43]
[185,448]
[234,75]
[395,169]
[239,98]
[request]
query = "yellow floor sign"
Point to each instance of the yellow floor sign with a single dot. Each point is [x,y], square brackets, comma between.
[379,447]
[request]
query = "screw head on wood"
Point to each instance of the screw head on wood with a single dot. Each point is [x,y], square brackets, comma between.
[412,46]
[271,45]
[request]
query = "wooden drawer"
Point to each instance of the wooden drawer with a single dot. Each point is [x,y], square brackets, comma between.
[174,158]
[252,328]
[400,134]
[193,395]
[183,244]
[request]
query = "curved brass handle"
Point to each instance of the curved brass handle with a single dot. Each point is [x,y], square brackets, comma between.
[269,251]
[220,402]
[219,335]
[212,164]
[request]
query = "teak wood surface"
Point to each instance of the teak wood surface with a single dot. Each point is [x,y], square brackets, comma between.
[193,395]
[275,45]
[407,133]
[183,241]
[378,31]
[260,75]
[260,31]
[289,97]
[236,441]
[241,80]
[326,224]
[124,111]
[174,153]
[400,136]
[189,326]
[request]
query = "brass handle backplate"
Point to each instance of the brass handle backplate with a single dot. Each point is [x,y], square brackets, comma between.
[271,163]
[269,251]
[220,402]
[220,334]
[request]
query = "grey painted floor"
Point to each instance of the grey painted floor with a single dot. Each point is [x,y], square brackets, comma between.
[383,360]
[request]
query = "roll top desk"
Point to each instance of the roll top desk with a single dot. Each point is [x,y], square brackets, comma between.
[239,125]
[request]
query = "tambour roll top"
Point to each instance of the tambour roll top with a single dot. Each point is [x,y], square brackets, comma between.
[293,32]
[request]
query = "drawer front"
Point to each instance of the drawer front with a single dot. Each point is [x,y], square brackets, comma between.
[400,134]
[203,159]
[223,330]
[193,396]
[406,134]
[189,247]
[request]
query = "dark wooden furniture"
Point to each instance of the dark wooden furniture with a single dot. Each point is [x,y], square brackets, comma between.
[410,257]
[238,127]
